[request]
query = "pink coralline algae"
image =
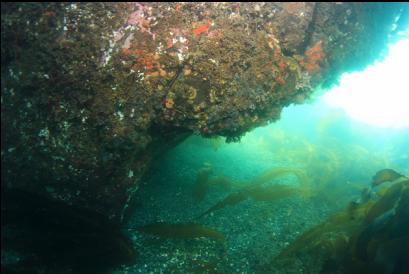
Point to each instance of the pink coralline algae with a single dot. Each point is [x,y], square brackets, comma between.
[213,34]
[137,18]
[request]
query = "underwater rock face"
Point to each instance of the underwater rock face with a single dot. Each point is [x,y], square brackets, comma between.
[91,92]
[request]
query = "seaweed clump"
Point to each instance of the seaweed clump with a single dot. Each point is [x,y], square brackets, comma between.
[368,237]
[232,199]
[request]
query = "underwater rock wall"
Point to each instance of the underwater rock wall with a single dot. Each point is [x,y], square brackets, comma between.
[91,92]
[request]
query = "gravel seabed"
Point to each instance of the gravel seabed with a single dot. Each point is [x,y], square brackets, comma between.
[255,231]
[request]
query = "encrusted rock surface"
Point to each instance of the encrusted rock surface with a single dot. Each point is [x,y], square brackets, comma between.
[92,92]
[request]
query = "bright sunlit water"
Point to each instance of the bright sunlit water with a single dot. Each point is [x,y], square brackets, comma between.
[379,95]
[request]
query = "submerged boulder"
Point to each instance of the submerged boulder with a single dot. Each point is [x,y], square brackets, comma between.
[92,92]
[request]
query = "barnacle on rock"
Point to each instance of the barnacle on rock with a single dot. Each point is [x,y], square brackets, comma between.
[191,93]
[212,95]
[187,71]
[169,103]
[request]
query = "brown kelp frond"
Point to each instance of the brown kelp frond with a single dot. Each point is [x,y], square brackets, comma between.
[258,193]
[204,182]
[181,231]
[356,210]
[277,172]
[202,185]
[272,193]
[386,175]
[349,221]
[386,202]
[256,189]
[313,237]
[232,199]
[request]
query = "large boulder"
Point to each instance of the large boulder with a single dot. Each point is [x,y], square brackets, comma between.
[92,92]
